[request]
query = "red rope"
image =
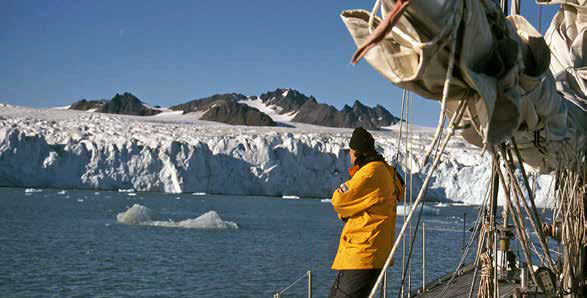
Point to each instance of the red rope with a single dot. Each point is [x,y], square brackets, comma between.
[381,30]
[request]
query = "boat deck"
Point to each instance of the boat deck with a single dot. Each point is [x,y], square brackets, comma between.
[461,285]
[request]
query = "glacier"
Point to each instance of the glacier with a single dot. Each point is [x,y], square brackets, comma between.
[64,149]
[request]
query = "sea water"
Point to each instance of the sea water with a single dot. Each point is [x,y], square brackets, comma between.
[74,243]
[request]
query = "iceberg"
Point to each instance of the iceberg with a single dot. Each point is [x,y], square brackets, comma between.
[135,215]
[288,197]
[141,215]
[405,209]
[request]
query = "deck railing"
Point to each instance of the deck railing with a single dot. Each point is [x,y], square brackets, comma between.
[308,274]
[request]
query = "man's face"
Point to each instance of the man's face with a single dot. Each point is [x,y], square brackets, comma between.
[353,157]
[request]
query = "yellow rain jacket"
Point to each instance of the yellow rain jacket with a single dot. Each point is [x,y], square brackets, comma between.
[368,201]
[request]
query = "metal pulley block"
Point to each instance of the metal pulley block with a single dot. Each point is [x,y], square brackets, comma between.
[552,230]
[546,281]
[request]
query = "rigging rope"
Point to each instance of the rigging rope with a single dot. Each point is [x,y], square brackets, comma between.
[410,136]
[292,284]
[455,120]
[406,194]
[476,230]
[400,294]
[516,215]
[509,163]
[447,82]
[406,266]
[373,14]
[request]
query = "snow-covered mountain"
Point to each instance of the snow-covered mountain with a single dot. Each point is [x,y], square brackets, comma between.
[226,108]
[170,152]
[291,105]
[273,108]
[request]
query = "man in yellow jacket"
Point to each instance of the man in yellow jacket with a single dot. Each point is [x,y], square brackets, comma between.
[367,204]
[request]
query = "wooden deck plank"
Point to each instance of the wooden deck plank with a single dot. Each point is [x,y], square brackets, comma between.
[461,285]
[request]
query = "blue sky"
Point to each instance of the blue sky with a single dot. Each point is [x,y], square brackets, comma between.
[53,53]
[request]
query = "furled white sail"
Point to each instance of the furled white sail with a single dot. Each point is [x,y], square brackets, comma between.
[503,70]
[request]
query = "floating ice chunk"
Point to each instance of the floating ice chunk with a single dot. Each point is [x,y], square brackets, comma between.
[135,215]
[96,193]
[290,197]
[132,194]
[31,190]
[141,215]
[405,210]
[178,198]
[62,192]
[441,205]
[126,190]
[326,201]
[80,200]
[208,220]
[461,204]
[198,194]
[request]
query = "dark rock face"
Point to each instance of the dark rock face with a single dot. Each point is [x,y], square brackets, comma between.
[315,113]
[234,113]
[288,100]
[312,112]
[85,105]
[126,104]
[203,104]
[225,108]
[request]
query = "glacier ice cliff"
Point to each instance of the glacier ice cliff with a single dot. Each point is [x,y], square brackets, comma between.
[70,149]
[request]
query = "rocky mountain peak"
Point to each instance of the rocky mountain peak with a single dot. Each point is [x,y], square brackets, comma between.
[86,105]
[205,103]
[125,103]
[286,100]
[234,113]
[225,108]
[359,114]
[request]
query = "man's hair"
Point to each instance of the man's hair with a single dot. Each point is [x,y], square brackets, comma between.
[362,142]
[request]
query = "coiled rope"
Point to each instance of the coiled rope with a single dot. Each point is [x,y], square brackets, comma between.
[486,284]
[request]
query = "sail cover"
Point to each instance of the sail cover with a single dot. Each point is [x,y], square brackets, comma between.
[503,69]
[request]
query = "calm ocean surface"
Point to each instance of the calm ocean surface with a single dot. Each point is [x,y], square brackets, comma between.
[71,245]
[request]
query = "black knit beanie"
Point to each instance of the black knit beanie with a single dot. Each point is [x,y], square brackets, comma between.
[362,141]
